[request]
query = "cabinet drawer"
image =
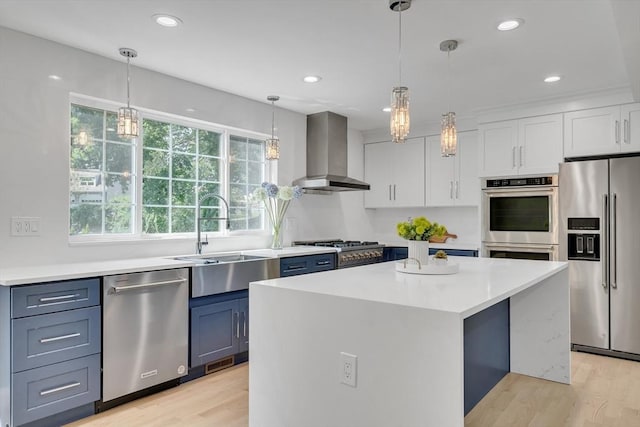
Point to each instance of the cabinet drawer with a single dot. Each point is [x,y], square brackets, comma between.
[52,338]
[41,392]
[307,264]
[51,297]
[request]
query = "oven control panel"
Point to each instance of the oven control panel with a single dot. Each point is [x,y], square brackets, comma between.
[550,180]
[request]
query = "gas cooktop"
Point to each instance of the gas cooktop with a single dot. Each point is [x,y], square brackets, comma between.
[338,243]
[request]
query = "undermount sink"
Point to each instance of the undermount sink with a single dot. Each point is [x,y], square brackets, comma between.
[214,274]
[219,259]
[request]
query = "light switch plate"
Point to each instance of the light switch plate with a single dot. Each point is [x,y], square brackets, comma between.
[25,226]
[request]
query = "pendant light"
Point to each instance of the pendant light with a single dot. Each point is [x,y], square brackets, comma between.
[448,135]
[272,144]
[399,123]
[128,122]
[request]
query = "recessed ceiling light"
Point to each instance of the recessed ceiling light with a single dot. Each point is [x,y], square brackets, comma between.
[167,20]
[54,77]
[190,110]
[312,79]
[552,79]
[510,24]
[387,109]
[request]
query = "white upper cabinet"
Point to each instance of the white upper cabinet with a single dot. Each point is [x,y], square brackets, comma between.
[592,132]
[598,131]
[395,173]
[521,147]
[631,127]
[453,181]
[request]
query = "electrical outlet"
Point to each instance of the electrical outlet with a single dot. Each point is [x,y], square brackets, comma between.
[348,369]
[25,226]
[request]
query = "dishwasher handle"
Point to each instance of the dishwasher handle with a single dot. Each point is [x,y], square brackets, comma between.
[118,289]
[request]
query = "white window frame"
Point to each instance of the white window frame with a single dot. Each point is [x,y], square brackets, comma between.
[270,172]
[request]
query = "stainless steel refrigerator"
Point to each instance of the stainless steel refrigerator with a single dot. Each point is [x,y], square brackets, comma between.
[600,237]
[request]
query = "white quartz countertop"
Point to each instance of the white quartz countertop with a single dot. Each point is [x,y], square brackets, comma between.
[54,272]
[290,251]
[480,283]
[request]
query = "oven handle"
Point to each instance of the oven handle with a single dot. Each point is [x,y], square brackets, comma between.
[520,191]
[522,248]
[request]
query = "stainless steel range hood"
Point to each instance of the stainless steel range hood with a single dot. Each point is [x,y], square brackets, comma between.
[327,155]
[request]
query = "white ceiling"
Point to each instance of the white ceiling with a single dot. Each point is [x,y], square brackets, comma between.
[256,48]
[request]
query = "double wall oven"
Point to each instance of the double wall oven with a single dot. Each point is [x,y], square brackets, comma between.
[520,218]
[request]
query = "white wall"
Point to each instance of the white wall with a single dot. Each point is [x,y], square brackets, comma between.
[34,147]
[34,152]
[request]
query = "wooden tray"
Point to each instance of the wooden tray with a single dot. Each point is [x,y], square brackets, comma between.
[443,238]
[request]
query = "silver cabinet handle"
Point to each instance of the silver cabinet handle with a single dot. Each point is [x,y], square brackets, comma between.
[457,189]
[237,315]
[59,298]
[521,162]
[244,324]
[117,289]
[605,227]
[513,157]
[390,192]
[57,389]
[614,243]
[627,131]
[61,337]
[394,191]
[451,189]
[617,131]
[323,262]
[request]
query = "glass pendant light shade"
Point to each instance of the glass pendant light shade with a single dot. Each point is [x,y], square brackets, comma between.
[272,145]
[400,123]
[272,148]
[128,122]
[448,135]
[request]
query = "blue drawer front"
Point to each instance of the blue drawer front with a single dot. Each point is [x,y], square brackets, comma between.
[52,338]
[46,298]
[41,392]
[307,264]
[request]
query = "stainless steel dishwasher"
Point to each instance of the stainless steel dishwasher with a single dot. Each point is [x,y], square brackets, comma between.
[145,330]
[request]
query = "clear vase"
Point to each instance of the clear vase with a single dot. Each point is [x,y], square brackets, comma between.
[419,250]
[276,239]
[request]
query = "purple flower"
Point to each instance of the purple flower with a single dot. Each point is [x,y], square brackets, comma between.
[271,189]
[297,192]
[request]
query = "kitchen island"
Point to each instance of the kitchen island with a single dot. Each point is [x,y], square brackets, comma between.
[408,333]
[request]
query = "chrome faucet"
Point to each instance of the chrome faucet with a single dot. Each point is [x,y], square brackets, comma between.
[200,243]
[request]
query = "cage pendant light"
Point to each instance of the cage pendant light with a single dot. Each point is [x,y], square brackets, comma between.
[399,124]
[128,121]
[448,134]
[272,145]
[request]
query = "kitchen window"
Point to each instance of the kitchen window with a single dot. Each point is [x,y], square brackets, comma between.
[150,186]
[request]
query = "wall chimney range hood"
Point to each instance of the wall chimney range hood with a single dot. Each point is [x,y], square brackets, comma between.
[327,156]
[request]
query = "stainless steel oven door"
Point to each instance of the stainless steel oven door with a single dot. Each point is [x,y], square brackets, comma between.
[520,251]
[523,215]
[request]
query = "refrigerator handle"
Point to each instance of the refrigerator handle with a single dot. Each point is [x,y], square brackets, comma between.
[614,232]
[605,231]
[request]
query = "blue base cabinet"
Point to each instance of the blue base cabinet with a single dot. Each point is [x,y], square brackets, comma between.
[219,327]
[52,358]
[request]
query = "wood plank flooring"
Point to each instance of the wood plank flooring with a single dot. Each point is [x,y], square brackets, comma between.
[605,393]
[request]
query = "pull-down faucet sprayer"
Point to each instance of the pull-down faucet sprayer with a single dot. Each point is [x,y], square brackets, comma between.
[199,219]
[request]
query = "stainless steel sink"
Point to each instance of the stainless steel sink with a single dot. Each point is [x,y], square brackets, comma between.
[215,274]
[218,259]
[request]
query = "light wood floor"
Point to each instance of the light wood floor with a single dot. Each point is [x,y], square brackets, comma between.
[605,392]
